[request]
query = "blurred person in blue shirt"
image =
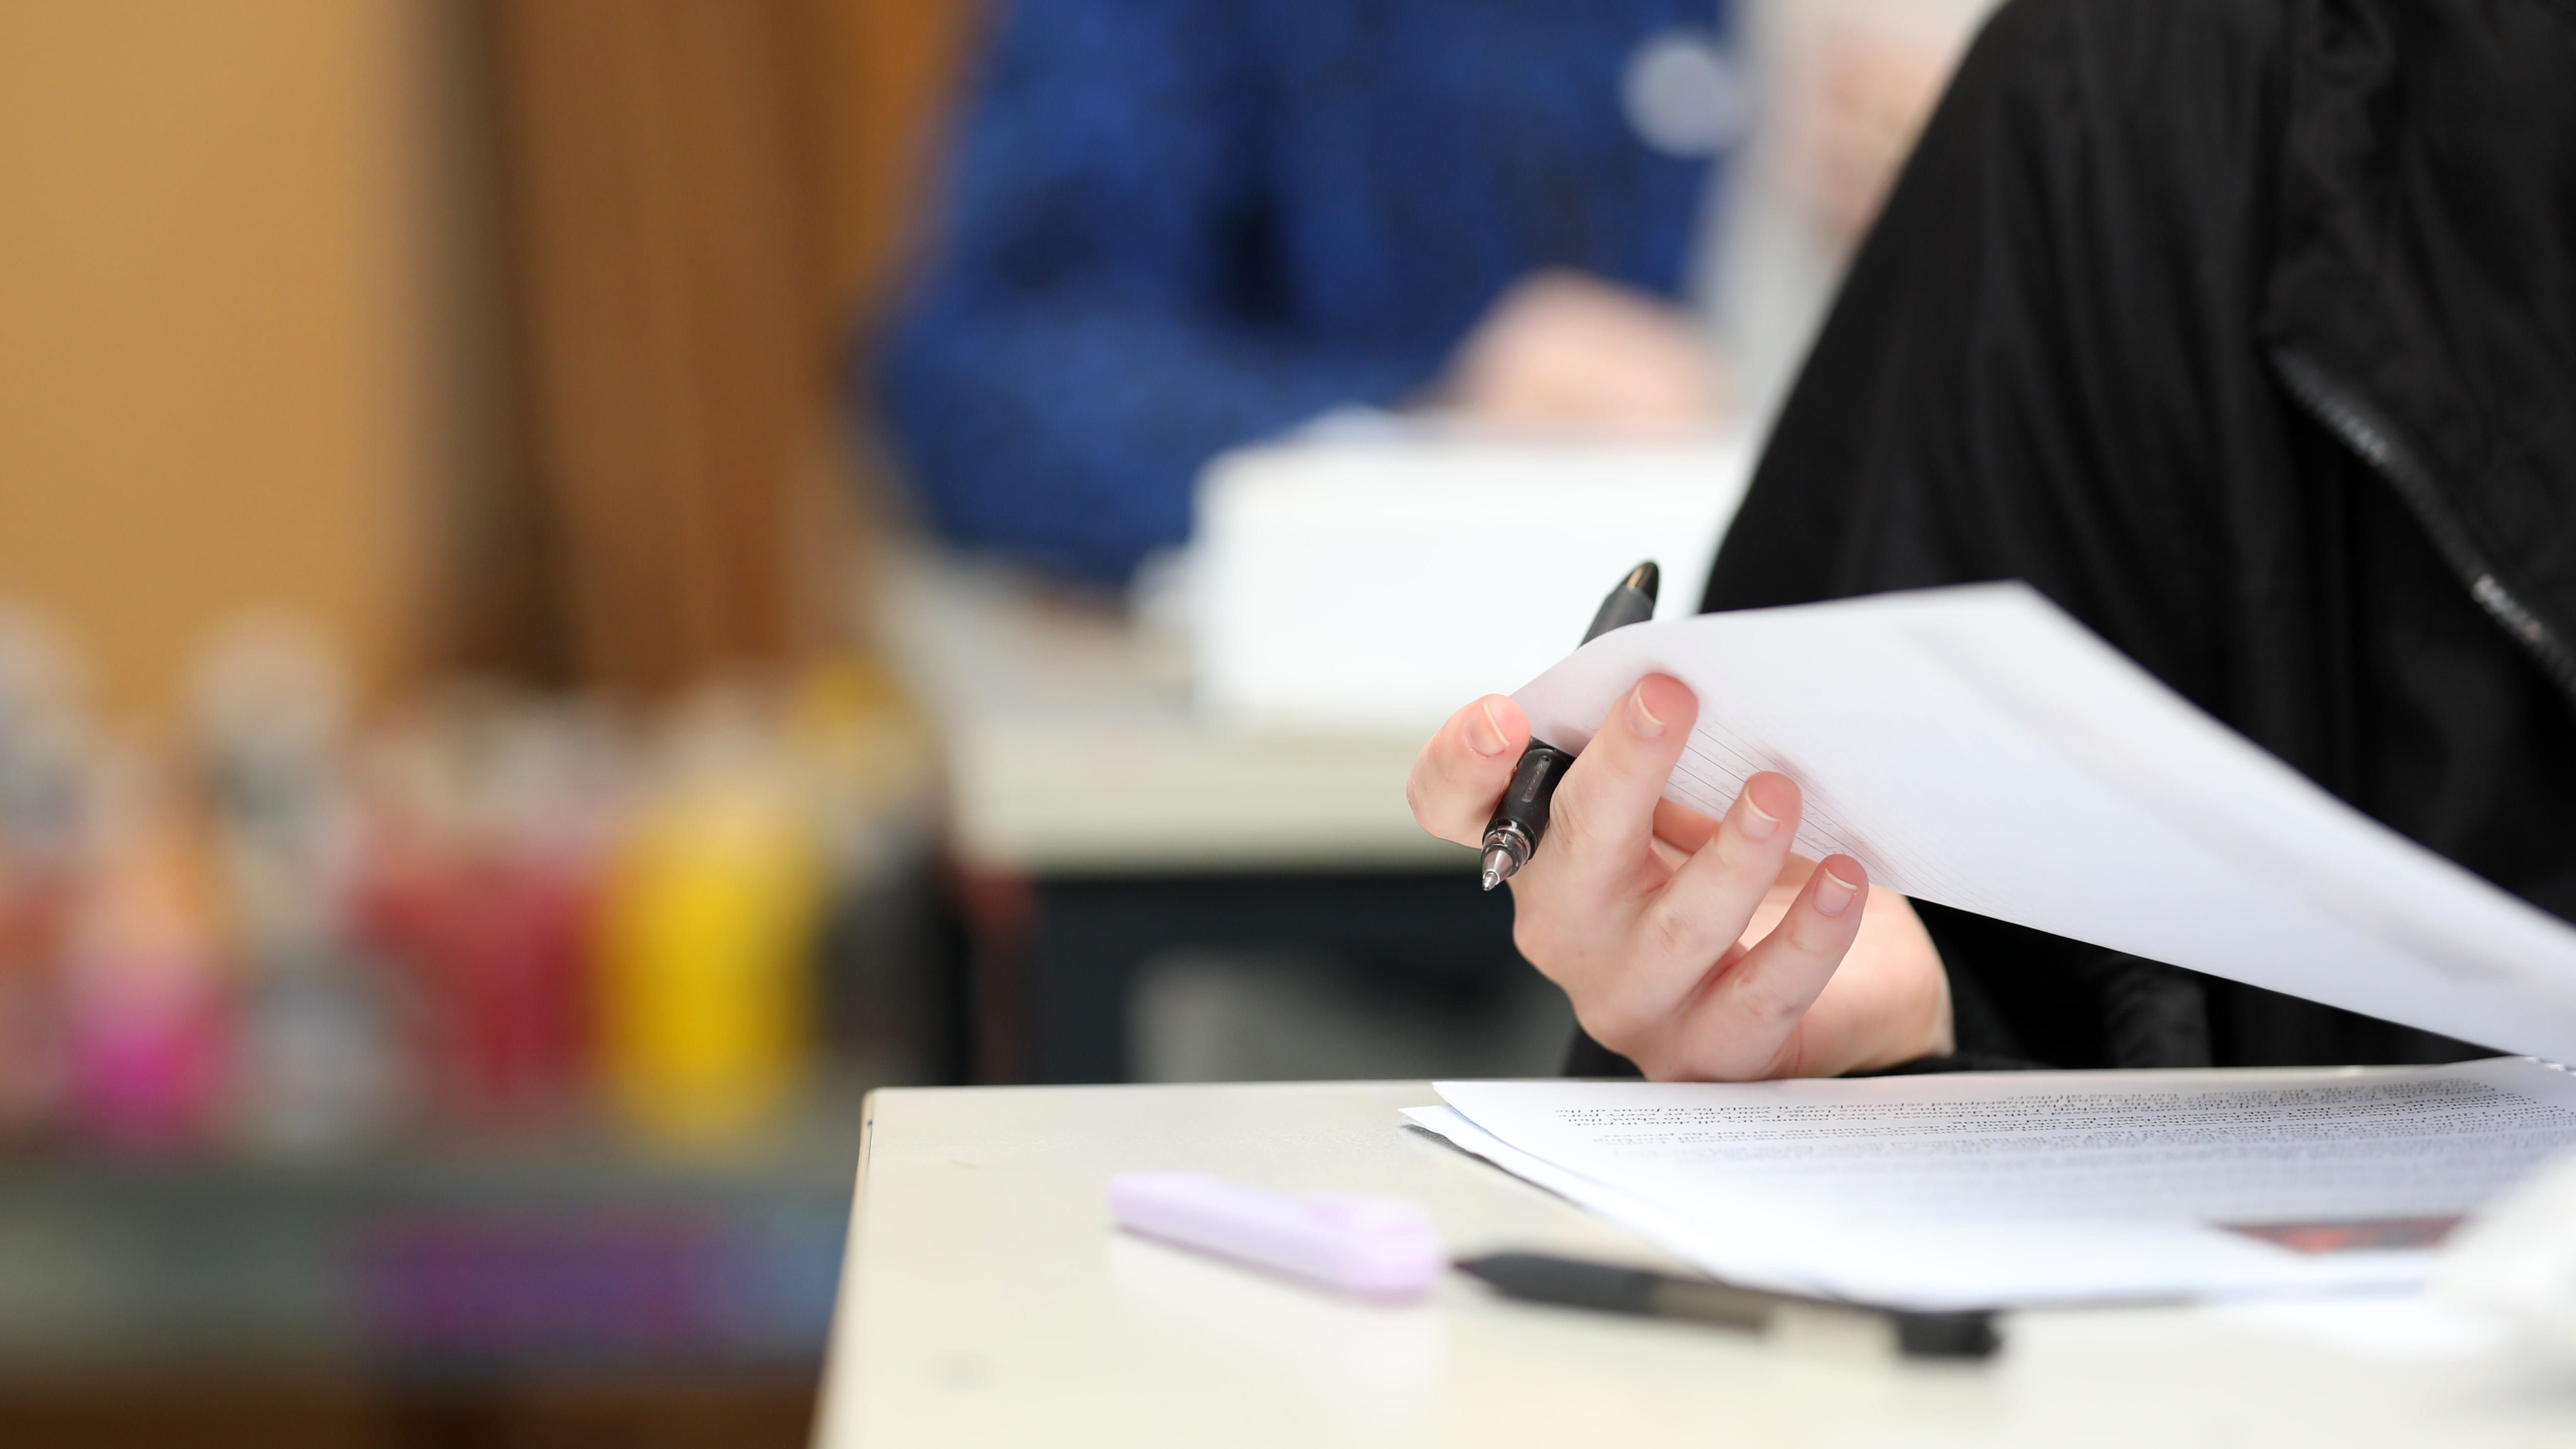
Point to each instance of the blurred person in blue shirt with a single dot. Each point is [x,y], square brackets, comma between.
[1173,226]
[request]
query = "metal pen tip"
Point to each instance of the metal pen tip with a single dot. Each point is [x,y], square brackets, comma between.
[1498,866]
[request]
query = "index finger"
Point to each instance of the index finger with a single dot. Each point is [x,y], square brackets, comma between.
[1605,811]
[1462,770]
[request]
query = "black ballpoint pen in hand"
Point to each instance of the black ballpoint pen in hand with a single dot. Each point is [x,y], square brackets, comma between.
[1521,819]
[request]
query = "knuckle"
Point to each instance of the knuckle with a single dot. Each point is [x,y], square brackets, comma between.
[1774,992]
[1676,933]
[1760,999]
[1575,823]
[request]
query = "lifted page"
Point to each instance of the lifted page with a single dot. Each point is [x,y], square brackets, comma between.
[1977,747]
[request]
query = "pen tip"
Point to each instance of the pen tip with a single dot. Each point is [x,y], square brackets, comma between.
[1498,866]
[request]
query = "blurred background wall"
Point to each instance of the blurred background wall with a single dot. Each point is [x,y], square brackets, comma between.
[695,202]
[222,365]
[484,333]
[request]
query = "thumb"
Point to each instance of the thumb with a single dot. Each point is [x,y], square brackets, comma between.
[1461,772]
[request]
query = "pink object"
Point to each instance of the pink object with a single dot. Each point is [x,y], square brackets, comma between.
[150,1038]
[1366,1247]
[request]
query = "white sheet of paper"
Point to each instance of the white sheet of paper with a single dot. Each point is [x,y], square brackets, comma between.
[2001,1188]
[1977,747]
[1343,579]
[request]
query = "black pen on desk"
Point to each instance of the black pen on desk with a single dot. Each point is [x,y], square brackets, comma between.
[1572,1283]
[1519,822]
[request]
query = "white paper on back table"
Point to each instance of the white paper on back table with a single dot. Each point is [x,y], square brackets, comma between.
[1347,578]
[1977,747]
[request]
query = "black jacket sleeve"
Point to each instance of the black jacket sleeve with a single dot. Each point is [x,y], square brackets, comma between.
[2053,360]
[2008,387]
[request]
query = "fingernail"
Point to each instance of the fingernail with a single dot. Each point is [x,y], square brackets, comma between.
[1834,894]
[1484,733]
[1756,822]
[1641,719]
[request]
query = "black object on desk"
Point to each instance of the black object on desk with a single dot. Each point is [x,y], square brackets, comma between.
[1519,822]
[1614,1289]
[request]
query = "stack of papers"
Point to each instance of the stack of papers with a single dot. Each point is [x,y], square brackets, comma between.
[2010,1188]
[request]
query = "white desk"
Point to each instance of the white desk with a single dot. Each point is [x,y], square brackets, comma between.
[985,1300]
[1071,746]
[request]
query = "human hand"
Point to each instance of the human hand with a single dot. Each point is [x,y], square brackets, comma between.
[1701,950]
[1566,349]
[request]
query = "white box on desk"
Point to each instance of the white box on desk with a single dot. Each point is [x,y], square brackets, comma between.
[1378,581]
